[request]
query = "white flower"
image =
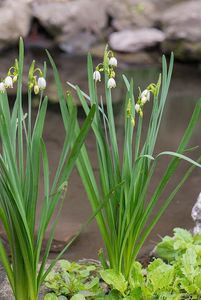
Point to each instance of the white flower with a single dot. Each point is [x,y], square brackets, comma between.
[111,83]
[113,61]
[96,76]
[2,87]
[137,107]
[41,83]
[145,96]
[8,82]
[145,93]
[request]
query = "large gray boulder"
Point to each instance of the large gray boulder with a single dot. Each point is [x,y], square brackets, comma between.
[75,25]
[15,19]
[182,26]
[136,39]
[196,215]
[131,14]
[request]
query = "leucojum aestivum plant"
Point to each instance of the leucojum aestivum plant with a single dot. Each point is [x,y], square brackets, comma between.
[129,214]
[23,157]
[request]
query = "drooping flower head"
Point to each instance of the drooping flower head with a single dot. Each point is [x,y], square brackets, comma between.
[97,76]
[137,107]
[111,83]
[41,83]
[145,96]
[113,62]
[107,66]
[2,87]
[12,75]
[37,83]
[8,82]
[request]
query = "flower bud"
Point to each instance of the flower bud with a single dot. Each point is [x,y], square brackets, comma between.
[113,62]
[137,107]
[111,83]
[2,87]
[97,76]
[36,89]
[8,82]
[15,78]
[41,83]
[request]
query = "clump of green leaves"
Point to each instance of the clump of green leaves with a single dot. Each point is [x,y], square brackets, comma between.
[74,281]
[131,212]
[23,157]
[171,248]
[175,275]
[183,252]
[175,279]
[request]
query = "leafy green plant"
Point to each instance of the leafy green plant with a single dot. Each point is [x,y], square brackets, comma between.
[127,218]
[172,247]
[22,157]
[179,279]
[74,281]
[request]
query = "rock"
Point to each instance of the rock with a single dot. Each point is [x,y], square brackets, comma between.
[75,25]
[142,57]
[196,215]
[181,24]
[135,40]
[183,50]
[131,14]
[15,18]
[136,58]
[182,21]
[5,290]
[79,43]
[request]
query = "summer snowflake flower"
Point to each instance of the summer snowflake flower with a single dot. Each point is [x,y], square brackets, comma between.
[2,87]
[111,83]
[8,82]
[145,96]
[113,62]
[97,76]
[137,107]
[41,83]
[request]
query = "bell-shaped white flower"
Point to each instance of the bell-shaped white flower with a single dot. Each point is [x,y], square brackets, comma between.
[137,107]
[111,83]
[113,62]
[2,87]
[145,96]
[8,82]
[96,76]
[41,83]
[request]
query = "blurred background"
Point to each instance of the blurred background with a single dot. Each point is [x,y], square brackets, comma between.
[129,26]
[139,32]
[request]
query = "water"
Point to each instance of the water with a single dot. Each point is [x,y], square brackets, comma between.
[185,90]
